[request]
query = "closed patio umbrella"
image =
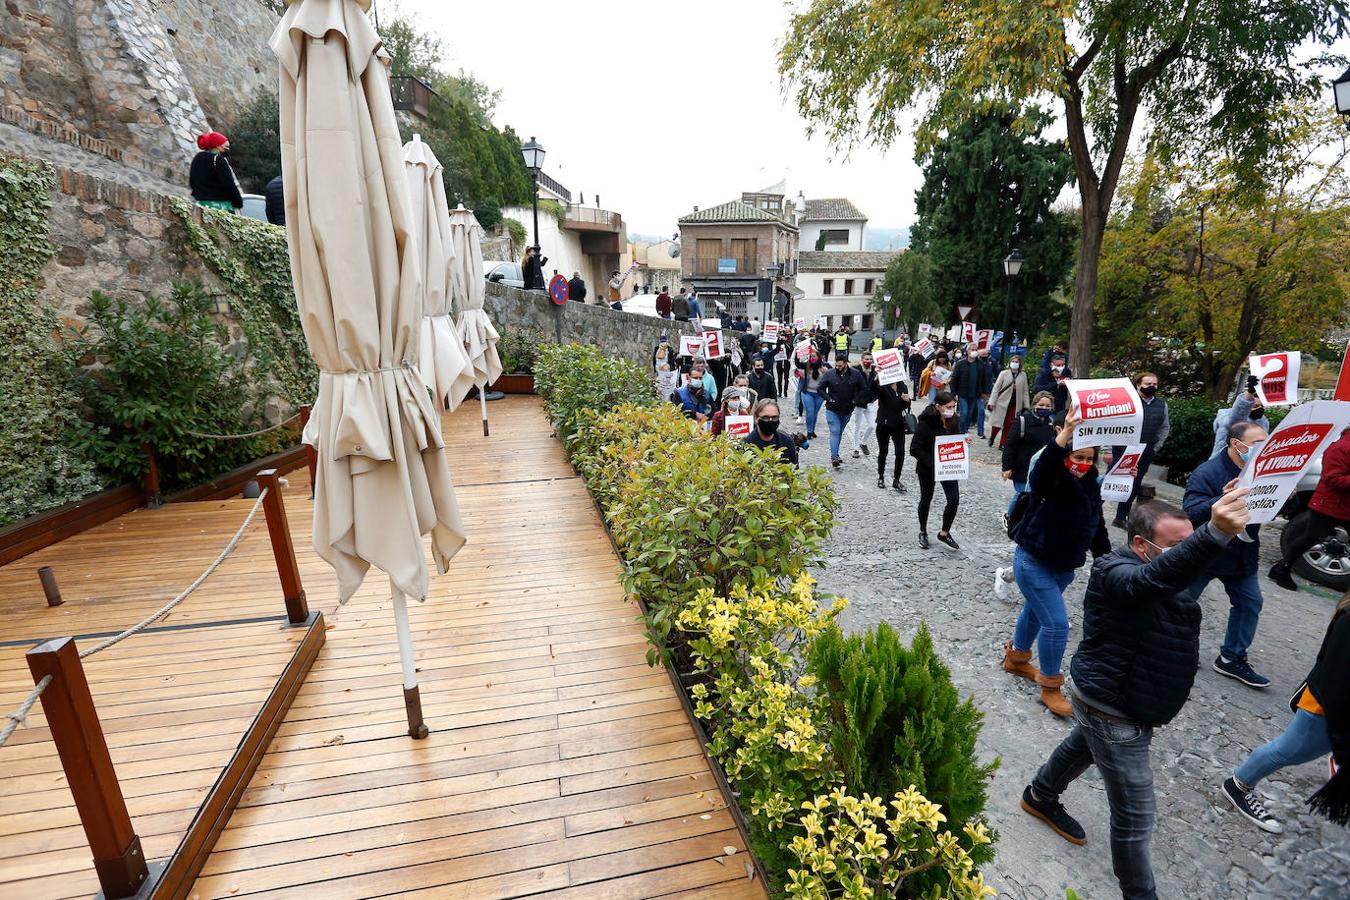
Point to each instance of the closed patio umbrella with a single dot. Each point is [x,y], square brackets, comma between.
[441,358]
[466,286]
[383,481]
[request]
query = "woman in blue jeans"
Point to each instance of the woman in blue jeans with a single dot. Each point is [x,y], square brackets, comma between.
[809,390]
[1063,522]
[1321,725]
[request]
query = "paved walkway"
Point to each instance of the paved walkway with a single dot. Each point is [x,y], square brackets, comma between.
[1201,847]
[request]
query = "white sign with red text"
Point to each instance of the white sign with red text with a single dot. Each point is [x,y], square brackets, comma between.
[890,365]
[1279,377]
[968,330]
[738,426]
[691,346]
[1110,411]
[951,457]
[799,323]
[1119,481]
[924,329]
[712,344]
[924,347]
[803,350]
[770,333]
[1273,469]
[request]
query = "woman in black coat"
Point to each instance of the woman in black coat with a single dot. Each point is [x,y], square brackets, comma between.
[210,177]
[938,419]
[893,405]
[1031,430]
[532,269]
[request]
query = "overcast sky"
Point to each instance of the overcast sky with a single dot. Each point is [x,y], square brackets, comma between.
[659,107]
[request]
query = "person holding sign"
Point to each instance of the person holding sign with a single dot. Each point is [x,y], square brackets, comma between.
[1157,426]
[893,406]
[1246,407]
[735,402]
[1061,520]
[1237,568]
[766,433]
[938,419]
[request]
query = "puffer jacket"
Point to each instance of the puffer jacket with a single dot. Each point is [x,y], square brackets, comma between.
[928,425]
[1065,519]
[1141,629]
[1332,497]
[1206,485]
[1027,435]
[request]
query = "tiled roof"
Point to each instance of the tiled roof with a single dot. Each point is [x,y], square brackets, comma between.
[833,208]
[845,260]
[733,211]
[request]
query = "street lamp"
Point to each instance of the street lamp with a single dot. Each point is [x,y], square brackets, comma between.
[1012,267]
[774,269]
[1341,88]
[533,152]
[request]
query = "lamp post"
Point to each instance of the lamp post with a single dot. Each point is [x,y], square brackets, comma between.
[533,152]
[1012,266]
[1341,89]
[774,269]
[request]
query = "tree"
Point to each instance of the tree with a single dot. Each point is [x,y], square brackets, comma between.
[988,187]
[909,284]
[1204,73]
[255,143]
[1200,270]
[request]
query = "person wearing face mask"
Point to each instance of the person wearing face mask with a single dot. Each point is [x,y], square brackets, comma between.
[766,433]
[841,388]
[971,383]
[893,405]
[1247,407]
[809,392]
[938,419]
[936,377]
[1157,426]
[694,401]
[761,380]
[1062,522]
[1032,430]
[781,364]
[1053,375]
[698,371]
[664,353]
[1009,397]
[1236,570]
[737,401]
[1133,672]
[865,410]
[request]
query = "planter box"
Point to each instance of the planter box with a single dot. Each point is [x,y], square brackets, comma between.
[513,384]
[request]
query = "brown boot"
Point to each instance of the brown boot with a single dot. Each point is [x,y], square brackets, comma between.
[1018,662]
[1052,696]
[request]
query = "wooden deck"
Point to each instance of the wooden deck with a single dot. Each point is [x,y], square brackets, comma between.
[559,763]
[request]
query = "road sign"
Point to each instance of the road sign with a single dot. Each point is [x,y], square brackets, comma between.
[964,311]
[557,289]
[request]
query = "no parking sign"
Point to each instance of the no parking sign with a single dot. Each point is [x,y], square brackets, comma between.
[557,289]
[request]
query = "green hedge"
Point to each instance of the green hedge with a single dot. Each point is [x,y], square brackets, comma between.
[1192,436]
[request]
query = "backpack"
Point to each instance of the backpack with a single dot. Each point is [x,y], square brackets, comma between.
[1021,511]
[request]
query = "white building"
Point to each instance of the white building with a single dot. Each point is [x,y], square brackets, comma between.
[838,284]
[842,224]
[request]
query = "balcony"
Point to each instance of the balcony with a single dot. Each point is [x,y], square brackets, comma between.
[726,265]
[588,218]
[412,94]
[551,184]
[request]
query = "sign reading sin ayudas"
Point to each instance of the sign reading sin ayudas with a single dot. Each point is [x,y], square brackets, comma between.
[1273,470]
[1110,410]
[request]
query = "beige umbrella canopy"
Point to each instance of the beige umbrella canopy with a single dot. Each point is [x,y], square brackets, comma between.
[467,288]
[442,359]
[383,481]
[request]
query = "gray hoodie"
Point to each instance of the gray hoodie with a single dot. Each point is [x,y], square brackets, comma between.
[1241,409]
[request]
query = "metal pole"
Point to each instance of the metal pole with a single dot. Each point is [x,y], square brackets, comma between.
[1007,322]
[482,402]
[412,696]
[534,178]
[292,591]
[49,587]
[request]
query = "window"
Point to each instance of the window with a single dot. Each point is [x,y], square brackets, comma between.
[745,251]
[834,236]
[829,286]
[869,286]
[709,250]
[848,285]
[867,321]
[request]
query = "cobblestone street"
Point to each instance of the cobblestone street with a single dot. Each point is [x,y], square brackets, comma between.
[1201,847]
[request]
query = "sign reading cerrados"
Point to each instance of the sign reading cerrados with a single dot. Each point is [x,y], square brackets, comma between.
[1278,377]
[739,426]
[890,365]
[1273,470]
[1109,410]
[952,457]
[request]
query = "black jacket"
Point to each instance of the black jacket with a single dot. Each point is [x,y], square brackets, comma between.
[276,201]
[1141,629]
[892,404]
[1329,682]
[671,358]
[576,290]
[971,379]
[1065,518]
[929,424]
[533,272]
[1027,435]
[764,384]
[211,178]
[841,392]
[787,447]
[870,383]
[1204,487]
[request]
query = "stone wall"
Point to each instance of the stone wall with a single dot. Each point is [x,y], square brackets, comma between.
[222,46]
[622,334]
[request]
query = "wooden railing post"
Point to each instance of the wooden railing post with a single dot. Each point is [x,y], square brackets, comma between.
[297,607]
[154,498]
[311,455]
[78,736]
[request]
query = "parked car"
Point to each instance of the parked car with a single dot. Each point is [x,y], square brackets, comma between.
[507,273]
[641,304]
[1327,563]
[255,207]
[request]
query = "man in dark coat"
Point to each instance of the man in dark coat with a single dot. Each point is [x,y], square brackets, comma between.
[761,379]
[1132,672]
[1054,372]
[576,289]
[840,388]
[276,202]
[1237,568]
[971,384]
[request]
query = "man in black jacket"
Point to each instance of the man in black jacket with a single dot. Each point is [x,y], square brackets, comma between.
[840,388]
[576,289]
[761,381]
[1132,672]
[971,384]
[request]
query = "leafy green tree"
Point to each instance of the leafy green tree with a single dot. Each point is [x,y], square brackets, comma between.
[255,143]
[1204,74]
[1204,265]
[909,284]
[988,187]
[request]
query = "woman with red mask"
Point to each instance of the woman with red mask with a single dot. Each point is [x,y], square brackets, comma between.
[1060,522]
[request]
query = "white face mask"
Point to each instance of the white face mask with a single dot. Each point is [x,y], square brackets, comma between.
[1014,366]
[1057,369]
[948,413]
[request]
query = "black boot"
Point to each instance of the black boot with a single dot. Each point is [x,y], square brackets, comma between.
[898,484]
[1279,573]
[881,481]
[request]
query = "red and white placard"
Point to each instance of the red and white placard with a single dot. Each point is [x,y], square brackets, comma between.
[739,426]
[1279,377]
[890,365]
[1272,472]
[712,344]
[951,454]
[690,345]
[1119,481]
[1110,411]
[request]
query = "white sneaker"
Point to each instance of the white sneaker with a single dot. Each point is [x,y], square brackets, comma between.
[1001,590]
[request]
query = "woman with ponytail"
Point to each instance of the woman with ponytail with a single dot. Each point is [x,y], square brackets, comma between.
[211,178]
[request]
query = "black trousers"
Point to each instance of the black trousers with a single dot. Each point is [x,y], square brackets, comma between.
[1317,527]
[888,435]
[781,368]
[952,491]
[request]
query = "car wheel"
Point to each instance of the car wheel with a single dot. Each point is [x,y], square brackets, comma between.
[1327,563]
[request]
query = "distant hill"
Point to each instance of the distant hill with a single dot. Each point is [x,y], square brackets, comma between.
[886,238]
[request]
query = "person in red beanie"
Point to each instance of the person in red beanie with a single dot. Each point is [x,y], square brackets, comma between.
[211,178]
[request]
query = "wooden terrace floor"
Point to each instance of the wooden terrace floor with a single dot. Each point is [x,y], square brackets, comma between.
[559,763]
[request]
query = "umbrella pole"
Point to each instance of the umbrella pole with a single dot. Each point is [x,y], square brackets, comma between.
[482,402]
[412,697]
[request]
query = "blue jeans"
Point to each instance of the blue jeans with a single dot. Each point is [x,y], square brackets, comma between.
[695,311]
[966,406]
[837,422]
[1244,597]
[1304,740]
[1043,618]
[811,404]
[1121,754]
[1018,487]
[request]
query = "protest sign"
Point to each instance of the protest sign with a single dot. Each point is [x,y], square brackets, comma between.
[712,344]
[822,322]
[1119,481]
[924,329]
[770,333]
[1273,469]
[739,427]
[1110,410]
[799,323]
[968,330]
[924,347]
[890,365]
[690,345]
[1342,391]
[803,350]
[988,339]
[1279,377]
[857,322]
[952,457]
[665,384]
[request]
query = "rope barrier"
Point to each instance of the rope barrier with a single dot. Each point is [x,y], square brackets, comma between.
[246,434]
[168,607]
[17,717]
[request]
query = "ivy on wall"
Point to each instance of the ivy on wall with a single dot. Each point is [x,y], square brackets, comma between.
[43,441]
[252,262]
